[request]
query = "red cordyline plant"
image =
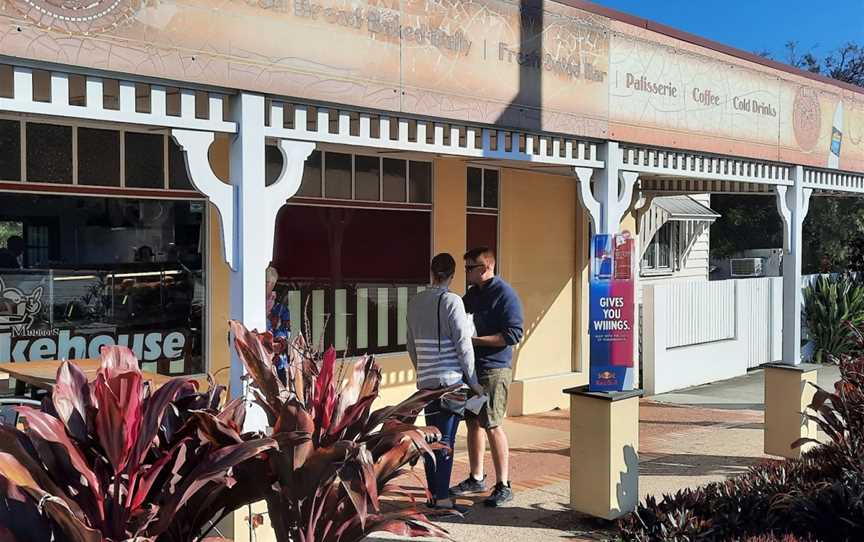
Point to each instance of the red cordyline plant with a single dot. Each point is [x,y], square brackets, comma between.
[115,460]
[337,457]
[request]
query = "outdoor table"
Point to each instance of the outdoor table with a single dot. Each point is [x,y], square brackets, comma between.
[43,374]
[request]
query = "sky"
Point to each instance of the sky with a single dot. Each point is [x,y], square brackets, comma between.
[758,25]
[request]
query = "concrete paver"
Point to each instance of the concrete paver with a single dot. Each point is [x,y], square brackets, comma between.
[746,392]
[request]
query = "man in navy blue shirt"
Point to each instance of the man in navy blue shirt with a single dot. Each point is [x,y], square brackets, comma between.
[497,314]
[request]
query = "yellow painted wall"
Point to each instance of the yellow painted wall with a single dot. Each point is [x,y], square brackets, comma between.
[448,214]
[542,254]
[218,302]
[538,258]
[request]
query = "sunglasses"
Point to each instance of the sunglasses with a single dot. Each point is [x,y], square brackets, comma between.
[474,266]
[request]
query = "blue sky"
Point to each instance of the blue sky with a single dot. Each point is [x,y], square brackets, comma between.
[758,25]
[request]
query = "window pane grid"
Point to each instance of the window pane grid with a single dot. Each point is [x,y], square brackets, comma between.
[367,178]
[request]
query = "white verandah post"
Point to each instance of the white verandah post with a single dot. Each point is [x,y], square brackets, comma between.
[247,207]
[787,392]
[793,203]
[604,471]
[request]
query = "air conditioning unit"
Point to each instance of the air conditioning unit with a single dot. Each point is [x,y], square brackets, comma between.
[747,267]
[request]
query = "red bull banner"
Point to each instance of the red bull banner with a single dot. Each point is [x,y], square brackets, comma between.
[612,307]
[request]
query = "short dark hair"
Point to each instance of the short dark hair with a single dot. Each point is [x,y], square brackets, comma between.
[476,253]
[443,266]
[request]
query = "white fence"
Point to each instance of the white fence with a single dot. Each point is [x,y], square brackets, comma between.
[696,332]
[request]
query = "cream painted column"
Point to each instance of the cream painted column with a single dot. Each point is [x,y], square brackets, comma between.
[604,452]
[247,207]
[788,391]
[449,218]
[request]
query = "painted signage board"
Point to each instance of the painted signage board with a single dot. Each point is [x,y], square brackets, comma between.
[611,312]
[26,334]
[524,65]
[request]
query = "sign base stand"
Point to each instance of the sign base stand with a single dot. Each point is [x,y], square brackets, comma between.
[604,452]
[787,394]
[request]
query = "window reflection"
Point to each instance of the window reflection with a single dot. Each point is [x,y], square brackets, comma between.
[95,271]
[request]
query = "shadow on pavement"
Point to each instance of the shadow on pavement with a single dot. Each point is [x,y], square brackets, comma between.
[551,515]
[697,465]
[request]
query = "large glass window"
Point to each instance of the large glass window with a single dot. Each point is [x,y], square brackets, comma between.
[347,274]
[80,272]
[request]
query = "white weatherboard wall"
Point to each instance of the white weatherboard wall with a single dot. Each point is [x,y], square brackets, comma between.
[697,332]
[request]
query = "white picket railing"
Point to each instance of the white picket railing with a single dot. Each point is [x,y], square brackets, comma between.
[696,332]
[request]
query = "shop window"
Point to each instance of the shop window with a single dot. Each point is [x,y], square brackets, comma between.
[10,150]
[394,180]
[178,177]
[490,189]
[337,175]
[49,153]
[347,273]
[659,256]
[420,182]
[145,155]
[482,188]
[367,178]
[482,202]
[104,271]
[98,157]
[310,186]
[475,187]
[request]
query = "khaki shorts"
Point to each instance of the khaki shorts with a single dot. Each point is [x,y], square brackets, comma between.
[496,382]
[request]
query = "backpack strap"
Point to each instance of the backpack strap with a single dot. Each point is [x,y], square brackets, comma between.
[438,314]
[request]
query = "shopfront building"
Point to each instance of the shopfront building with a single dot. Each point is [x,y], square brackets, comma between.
[358,141]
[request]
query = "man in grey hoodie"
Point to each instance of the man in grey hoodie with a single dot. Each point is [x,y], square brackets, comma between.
[439,344]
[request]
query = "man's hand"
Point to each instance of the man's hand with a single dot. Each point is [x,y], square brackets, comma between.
[494,341]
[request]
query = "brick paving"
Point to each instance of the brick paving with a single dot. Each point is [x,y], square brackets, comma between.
[680,446]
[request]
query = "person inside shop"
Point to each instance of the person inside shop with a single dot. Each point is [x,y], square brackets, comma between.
[439,345]
[497,315]
[144,254]
[12,257]
[278,323]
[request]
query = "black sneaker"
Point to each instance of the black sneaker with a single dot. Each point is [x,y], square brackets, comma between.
[500,495]
[469,485]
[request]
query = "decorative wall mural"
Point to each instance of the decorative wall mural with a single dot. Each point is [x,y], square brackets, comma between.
[806,118]
[77,16]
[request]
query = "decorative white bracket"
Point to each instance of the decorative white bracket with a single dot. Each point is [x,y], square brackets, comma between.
[792,210]
[641,205]
[613,194]
[195,146]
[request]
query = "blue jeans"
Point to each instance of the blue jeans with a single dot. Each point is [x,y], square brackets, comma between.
[438,474]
